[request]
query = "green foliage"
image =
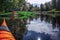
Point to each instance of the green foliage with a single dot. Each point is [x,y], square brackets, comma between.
[10,5]
[22,14]
[25,14]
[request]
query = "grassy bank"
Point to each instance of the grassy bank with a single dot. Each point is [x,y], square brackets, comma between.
[51,13]
[21,14]
[25,14]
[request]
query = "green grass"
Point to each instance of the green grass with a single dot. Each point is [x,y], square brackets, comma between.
[22,14]
[25,14]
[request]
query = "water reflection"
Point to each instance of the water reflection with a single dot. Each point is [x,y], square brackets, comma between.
[38,38]
[44,24]
[32,35]
[41,26]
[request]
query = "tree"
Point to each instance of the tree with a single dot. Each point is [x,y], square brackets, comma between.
[46,7]
[30,8]
[41,7]
[50,5]
[54,4]
[1,5]
[11,5]
[58,5]
[21,4]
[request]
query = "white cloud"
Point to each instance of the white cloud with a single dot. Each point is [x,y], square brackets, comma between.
[37,1]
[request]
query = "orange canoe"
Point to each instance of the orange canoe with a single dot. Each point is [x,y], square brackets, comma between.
[5,34]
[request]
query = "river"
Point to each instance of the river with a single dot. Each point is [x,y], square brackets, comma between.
[43,28]
[39,27]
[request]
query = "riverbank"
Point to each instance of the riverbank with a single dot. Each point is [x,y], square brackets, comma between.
[20,14]
[25,14]
[52,14]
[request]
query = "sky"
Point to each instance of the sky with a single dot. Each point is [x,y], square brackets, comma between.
[37,1]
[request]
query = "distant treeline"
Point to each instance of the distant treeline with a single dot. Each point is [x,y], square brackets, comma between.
[22,5]
[53,5]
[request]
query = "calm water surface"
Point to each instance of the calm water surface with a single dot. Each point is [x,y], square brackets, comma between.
[43,28]
[40,27]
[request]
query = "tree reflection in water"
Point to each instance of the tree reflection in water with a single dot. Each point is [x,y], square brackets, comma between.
[48,23]
[47,26]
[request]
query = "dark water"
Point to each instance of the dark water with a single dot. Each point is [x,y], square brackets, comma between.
[43,28]
[17,27]
[40,27]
